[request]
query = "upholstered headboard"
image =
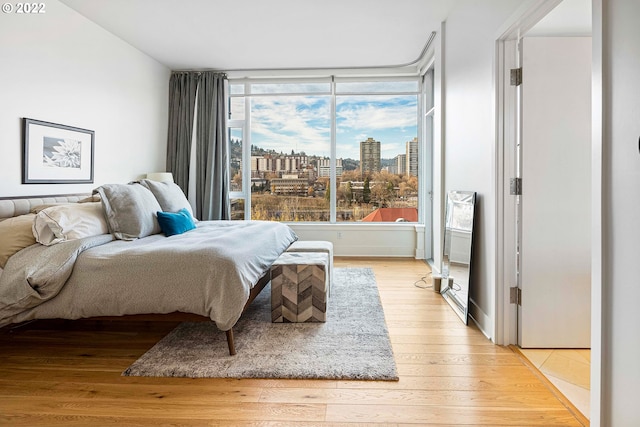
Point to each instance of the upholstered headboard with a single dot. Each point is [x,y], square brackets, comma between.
[10,207]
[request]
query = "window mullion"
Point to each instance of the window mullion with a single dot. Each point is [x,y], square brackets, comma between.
[246,153]
[333,180]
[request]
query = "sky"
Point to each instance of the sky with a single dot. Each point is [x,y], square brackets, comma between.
[302,123]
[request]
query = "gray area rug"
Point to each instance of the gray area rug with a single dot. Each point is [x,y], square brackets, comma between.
[352,344]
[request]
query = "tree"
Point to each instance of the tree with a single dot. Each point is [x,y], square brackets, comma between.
[352,175]
[349,193]
[237,179]
[366,191]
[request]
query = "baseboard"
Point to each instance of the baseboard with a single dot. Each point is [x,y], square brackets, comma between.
[372,251]
[480,318]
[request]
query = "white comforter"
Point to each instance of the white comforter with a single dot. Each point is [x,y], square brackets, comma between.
[207,271]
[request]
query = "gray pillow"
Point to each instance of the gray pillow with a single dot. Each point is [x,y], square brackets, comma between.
[169,195]
[130,210]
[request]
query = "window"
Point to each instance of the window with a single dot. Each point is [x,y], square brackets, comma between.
[290,140]
[288,173]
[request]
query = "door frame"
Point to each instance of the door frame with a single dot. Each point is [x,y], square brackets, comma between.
[505,322]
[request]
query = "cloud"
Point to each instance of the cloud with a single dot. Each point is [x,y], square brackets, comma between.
[376,112]
[303,123]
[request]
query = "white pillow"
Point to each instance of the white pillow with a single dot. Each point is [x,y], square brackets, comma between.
[57,224]
[169,195]
[15,235]
[130,210]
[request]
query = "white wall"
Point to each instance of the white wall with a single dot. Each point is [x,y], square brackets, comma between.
[377,240]
[621,213]
[60,67]
[469,131]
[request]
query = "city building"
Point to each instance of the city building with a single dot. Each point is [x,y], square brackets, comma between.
[290,185]
[280,164]
[369,156]
[324,167]
[399,165]
[411,158]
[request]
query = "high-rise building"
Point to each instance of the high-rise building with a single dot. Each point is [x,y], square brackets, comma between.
[400,164]
[412,157]
[369,156]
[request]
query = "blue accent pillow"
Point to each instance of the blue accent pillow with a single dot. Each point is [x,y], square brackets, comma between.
[176,222]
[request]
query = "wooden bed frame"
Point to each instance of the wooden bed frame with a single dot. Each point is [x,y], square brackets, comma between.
[20,205]
[264,281]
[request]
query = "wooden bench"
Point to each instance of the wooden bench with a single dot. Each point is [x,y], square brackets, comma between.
[316,246]
[299,291]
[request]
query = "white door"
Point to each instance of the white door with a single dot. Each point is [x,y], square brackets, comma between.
[554,231]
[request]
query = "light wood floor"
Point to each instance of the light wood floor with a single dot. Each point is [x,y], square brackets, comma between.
[568,370]
[68,374]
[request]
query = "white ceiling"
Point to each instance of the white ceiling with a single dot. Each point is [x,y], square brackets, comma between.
[292,34]
[259,34]
[569,18]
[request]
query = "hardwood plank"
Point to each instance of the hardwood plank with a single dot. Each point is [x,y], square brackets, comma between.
[139,393]
[464,398]
[201,408]
[451,349]
[477,371]
[456,359]
[444,383]
[437,415]
[441,339]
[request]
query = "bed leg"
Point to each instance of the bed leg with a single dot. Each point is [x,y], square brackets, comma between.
[232,347]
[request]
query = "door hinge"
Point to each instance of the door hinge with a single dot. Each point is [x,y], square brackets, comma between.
[516,76]
[515,295]
[515,186]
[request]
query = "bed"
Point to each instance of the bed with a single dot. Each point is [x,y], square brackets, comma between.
[128,265]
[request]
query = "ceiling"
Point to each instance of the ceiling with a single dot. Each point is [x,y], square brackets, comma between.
[292,34]
[569,18]
[271,34]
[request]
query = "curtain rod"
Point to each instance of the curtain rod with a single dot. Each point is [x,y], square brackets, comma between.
[408,64]
[199,72]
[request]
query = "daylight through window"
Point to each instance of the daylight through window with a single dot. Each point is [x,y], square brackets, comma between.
[299,148]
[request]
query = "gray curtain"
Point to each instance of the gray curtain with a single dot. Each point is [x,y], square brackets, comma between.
[212,174]
[182,102]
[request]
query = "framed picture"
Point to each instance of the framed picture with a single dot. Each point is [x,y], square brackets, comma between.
[56,154]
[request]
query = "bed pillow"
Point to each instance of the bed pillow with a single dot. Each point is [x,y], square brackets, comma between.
[130,210]
[57,224]
[176,222]
[15,234]
[169,195]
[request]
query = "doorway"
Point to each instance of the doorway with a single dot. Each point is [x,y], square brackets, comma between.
[554,321]
[541,269]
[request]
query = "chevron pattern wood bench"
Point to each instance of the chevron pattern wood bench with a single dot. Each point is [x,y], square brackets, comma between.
[299,287]
[316,246]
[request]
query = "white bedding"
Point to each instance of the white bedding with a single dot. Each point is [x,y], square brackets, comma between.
[207,271]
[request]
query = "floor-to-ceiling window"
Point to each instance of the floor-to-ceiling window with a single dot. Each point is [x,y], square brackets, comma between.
[325,150]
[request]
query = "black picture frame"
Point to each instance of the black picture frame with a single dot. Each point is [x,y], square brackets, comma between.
[56,154]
